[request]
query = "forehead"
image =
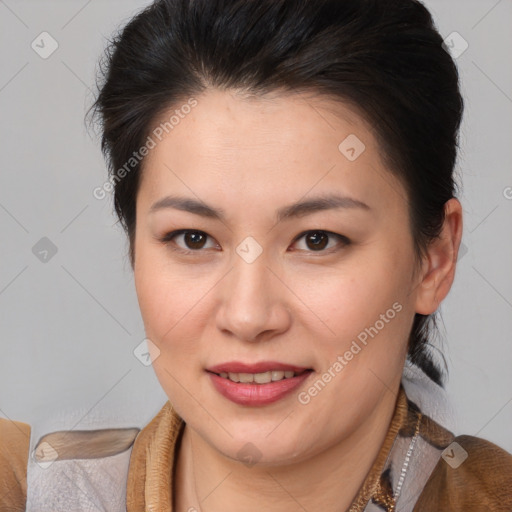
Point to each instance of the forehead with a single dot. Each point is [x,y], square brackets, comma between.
[228,119]
[260,145]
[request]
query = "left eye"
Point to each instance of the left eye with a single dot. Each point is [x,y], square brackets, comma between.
[316,240]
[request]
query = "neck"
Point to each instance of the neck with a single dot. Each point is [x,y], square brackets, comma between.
[208,481]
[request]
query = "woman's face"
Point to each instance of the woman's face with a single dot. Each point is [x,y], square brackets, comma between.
[327,287]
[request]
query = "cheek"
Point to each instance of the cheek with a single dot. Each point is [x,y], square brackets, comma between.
[160,294]
[354,297]
[171,311]
[173,304]
[167,304]
[366,310]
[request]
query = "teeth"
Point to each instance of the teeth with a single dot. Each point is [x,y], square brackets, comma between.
[246,377]
[263,378]
[278,375]
[258,378]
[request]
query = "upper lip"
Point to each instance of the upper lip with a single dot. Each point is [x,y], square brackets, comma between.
[261,367]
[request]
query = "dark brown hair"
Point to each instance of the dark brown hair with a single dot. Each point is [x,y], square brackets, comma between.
[384,57]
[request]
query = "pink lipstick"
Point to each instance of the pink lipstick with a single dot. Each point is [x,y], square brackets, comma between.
[256,384]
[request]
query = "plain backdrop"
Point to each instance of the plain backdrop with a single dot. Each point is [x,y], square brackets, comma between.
[70,321]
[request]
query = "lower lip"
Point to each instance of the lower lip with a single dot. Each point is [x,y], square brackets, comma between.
[256,394]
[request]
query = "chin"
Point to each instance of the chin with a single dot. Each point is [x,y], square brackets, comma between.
[256,446]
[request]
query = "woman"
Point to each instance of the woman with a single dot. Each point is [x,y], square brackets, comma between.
[284,173]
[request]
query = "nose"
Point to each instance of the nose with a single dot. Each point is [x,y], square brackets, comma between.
[253,302]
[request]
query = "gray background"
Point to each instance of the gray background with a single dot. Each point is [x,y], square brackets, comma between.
[69,325]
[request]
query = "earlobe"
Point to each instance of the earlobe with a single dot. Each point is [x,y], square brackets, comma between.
[439,265]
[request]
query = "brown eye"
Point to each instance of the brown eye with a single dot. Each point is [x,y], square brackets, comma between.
[194,240]
[318,241]
[190,240]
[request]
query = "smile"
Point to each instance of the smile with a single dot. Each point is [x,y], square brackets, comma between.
[259,378]
[265,384]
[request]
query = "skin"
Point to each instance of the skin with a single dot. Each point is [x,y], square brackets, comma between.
[293,304]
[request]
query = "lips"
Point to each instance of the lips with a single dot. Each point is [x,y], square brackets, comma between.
[234,380]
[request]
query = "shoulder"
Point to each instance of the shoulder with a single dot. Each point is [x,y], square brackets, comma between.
[471,472]
[14,449]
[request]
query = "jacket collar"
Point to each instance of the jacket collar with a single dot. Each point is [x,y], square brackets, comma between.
[154,453]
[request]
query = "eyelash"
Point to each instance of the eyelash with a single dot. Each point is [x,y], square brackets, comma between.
[167,240]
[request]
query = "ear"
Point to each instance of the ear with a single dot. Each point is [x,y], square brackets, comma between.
[438,267]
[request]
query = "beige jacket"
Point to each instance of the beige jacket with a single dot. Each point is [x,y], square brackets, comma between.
[421,466]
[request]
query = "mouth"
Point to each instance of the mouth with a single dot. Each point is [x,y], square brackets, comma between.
[257,384]
[261,377]
[258,373]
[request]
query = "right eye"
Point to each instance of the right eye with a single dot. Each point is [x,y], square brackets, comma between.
[193,240]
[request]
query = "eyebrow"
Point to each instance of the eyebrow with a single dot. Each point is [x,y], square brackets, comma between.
[298,209]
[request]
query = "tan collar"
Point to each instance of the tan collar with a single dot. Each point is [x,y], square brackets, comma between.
[152,462]
[153,458]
